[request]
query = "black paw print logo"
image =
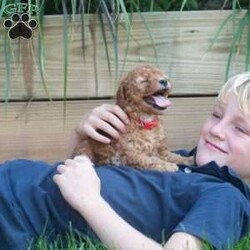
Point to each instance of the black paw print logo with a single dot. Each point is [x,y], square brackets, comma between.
[20,25]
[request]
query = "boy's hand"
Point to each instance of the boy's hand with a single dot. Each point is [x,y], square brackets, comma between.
[78,182]
[109,118]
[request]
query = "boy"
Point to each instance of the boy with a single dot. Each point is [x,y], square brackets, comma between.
[224,141]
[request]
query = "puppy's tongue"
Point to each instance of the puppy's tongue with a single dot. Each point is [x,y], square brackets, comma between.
[161,101]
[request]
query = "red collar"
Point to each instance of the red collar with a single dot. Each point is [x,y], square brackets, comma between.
[148,125]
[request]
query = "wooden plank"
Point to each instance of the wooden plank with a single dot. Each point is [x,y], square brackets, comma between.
[181,40]
[39,132]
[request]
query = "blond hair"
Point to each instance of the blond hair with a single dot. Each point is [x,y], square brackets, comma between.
[240,86]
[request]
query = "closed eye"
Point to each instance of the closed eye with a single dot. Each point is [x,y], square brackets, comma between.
[144,81]
[216,115]
[242,130]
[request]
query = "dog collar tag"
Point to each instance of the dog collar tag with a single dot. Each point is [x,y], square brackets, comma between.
[148,125]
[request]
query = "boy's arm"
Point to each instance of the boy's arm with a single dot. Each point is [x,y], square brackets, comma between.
[80,186]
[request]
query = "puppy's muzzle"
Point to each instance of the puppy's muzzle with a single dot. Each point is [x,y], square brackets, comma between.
[164,83]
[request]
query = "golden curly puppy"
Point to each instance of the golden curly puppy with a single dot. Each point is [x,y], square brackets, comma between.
[143,95]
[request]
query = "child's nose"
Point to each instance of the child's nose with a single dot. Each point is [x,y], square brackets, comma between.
[218,130]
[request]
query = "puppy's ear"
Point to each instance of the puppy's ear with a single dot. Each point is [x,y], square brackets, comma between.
[121,95]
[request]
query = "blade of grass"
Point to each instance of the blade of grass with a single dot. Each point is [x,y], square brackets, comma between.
[128,38]
[235,44]
[73,7]
[7,54]
[148,30]
[65,55]
[127,20]
[184,2]
[7,60]
[194,4]
[105,42]
[28,70]
[129,35]
[82,12]
[2,8]
[218,32]
[235,4]
[190,4]
[125,56]
[92,28]
[41,46]
[125,17]
[152,3]
[237,35]
[247,58]
[89,6]
[113,32]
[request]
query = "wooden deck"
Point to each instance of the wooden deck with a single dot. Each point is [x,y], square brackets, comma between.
[40,130]
[40,133]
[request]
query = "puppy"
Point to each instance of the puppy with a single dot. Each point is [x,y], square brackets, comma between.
[143,95]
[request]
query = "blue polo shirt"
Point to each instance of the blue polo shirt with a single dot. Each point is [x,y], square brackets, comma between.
[209,202]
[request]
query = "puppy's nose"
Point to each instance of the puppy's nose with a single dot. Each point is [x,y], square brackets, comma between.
[163,83]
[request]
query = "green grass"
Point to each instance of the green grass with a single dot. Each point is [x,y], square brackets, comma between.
[76,242]
[244,244]
[70,242]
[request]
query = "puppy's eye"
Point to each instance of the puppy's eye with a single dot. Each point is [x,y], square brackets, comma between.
[144,81]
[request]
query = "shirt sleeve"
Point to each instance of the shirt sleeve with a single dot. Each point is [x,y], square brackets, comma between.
[220,216]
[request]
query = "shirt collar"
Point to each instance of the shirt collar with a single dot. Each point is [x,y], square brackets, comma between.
[224,173]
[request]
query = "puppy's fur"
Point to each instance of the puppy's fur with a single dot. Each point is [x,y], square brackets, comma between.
[142,94]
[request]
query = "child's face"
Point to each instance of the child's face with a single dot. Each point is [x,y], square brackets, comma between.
[225,137]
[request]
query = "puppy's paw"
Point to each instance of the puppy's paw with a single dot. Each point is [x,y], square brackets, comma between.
[170,167]
[164,166]
[188,160]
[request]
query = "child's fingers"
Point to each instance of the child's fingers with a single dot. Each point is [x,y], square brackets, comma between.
[92,133]
[59,179]
[82,158]
[61,168]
